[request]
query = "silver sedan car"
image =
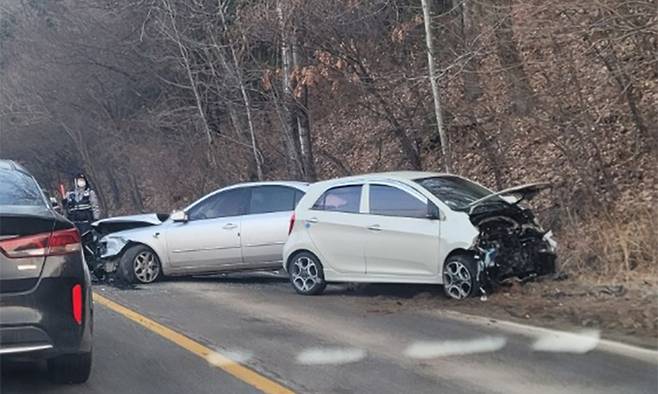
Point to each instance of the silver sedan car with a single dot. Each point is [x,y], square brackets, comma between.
[240,227]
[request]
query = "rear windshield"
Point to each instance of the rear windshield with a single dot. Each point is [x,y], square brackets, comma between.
[455,192]
[17,188]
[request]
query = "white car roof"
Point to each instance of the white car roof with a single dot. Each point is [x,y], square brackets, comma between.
[392,175]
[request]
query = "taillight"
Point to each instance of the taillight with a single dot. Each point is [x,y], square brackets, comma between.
[64,242]
[76,303]
[292,223]
[45,244]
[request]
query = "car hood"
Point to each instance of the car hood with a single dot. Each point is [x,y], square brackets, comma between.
[526,192]
[125,223]
[147,218]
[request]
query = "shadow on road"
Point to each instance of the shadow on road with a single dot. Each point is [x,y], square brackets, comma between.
[391,290]
[257,277]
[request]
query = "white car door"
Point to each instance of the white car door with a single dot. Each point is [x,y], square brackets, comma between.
[210,238]
[265,226]
[336,227]
[401,240]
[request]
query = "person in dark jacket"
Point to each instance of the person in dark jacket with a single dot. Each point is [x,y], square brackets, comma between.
[81,204]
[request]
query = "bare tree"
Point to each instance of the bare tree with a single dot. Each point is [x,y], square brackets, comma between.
[445,148]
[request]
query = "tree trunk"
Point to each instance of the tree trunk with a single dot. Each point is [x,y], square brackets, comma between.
[445,149]
[303,123]
[193,84]
[289,121]
[469,33]
[522,98]
[245,99]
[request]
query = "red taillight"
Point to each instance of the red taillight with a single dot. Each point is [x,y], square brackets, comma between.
[46,244]
[64,242]
[292,223]
[76,303]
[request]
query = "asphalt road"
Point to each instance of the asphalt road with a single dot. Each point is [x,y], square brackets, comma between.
[240,333]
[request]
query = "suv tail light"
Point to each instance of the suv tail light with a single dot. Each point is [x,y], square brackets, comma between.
[292,223]
[76,303]
[58,242]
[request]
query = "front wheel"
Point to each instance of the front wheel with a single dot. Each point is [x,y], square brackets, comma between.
[140,264]
[306,274]
[460,277]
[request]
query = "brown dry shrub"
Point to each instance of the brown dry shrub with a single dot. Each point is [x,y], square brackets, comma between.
[614,245]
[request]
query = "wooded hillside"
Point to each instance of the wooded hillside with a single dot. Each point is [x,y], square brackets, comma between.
[161,101]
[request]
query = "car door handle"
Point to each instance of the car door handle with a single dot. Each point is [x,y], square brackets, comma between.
[312,220]
[375,227]
[229,226]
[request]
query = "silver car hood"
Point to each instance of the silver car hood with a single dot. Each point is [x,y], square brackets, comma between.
[147,218]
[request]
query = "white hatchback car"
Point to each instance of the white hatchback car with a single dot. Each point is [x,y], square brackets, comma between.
[240,227]
[415,227]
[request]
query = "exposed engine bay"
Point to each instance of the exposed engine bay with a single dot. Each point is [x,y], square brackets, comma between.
[511,244]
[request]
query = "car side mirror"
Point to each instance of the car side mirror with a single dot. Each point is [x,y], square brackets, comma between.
[433,212]
[179,216]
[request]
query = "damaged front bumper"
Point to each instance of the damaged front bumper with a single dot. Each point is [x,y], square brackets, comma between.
[102,254]
[531,260]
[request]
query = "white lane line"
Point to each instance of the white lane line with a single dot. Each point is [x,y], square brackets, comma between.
[334,356]
[605,345]
[568,342]
[434,349]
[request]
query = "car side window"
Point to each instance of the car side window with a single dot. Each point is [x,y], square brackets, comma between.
[340,199]
[265,199]
[224,204]
[391,201]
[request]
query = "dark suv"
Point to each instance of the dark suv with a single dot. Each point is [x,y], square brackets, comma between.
[45,287]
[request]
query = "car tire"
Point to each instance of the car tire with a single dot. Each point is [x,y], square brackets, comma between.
[306,274]
[70,368]
[460,277]
[140,264]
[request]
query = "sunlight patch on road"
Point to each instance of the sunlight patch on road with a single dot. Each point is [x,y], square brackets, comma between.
[568,342]
[433,349]
[322,356]
[227,356]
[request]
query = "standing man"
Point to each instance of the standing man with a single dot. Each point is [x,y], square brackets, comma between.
[81,204]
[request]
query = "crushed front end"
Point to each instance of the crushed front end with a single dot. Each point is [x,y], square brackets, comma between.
[511,244]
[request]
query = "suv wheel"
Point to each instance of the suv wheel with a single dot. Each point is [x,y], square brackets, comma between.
[70,368]
[306,274]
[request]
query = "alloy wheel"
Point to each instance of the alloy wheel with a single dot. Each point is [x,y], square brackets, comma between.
[146,267]
[457,280]
[305,274]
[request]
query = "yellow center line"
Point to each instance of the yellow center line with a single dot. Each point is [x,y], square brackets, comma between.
[219,360]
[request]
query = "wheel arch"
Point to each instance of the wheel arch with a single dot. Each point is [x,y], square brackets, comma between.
[453,253]
[297,252]
[460,252]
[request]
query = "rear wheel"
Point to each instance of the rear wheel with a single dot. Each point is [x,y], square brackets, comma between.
[460,277]
[306,274]
[140,264]
[70,368]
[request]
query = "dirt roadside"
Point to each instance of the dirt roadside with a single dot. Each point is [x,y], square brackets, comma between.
[626,312]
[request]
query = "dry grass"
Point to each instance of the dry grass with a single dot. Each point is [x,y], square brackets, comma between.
[611,247]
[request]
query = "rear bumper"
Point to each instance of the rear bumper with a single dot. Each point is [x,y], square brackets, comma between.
[39,322]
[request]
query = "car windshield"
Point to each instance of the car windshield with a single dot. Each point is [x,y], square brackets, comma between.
[457,193]
[19,189]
